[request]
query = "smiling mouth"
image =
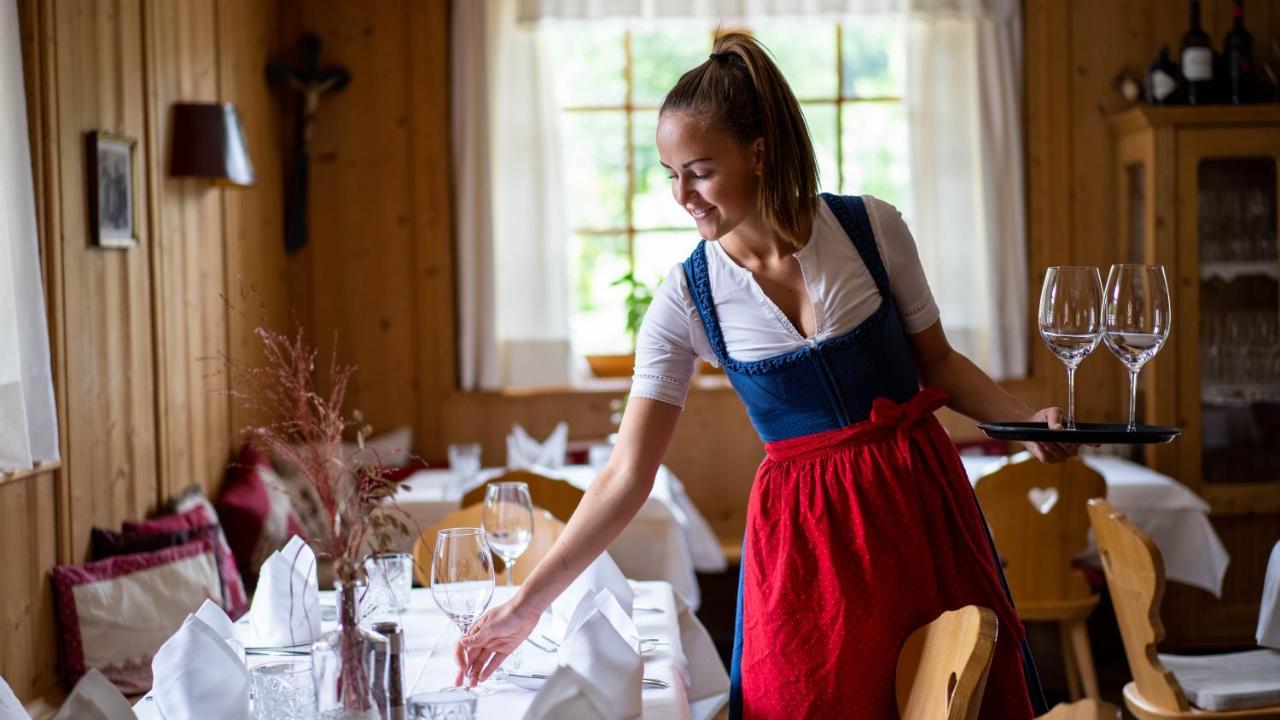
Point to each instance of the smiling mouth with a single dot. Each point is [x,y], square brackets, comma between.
[699,213]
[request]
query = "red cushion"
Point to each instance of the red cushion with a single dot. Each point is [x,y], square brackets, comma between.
[255,512]
[114,614]
[234,599]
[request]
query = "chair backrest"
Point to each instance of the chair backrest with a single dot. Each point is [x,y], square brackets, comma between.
[942,668]
[556,496]
[546,530]
[1087,709]
[1039,523]
[1135,576]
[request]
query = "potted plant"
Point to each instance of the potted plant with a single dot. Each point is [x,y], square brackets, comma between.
[635,304]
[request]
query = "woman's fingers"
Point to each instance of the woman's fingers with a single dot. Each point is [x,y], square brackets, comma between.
[494,662]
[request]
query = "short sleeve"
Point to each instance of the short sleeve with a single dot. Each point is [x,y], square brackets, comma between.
[665,351]
[907,280]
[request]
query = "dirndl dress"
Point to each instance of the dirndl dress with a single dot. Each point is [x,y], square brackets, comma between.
[862,525]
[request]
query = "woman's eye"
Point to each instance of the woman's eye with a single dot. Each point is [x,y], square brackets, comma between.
[703,176]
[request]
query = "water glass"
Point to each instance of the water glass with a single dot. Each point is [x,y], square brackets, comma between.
[390,574]
[442,706]
[283,691]
[464,464]
[1070,320]
[1136,319]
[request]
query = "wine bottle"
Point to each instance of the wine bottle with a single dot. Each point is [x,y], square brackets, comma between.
[1237,46]
[1197,60]
[1162,80]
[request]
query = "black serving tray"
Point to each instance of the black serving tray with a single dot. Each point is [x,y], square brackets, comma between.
[1085,433]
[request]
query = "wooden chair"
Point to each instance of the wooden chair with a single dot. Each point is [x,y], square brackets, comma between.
[1039,521]
[1083,710]
[1135,576]
[942,667]
[546,529]
[556,496]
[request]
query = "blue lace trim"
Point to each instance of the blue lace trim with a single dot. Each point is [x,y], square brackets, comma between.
[858,227]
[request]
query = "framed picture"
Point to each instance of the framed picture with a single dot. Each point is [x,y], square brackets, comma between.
[113,211]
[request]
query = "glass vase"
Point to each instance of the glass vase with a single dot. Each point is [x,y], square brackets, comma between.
[349,664]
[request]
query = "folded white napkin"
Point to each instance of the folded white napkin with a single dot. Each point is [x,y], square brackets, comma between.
[602,602]
[1269,612]
[703,671]
[525,452]
[286,605]
[93,698]
[10,708]
[599,677]
[198,675]
[601,574]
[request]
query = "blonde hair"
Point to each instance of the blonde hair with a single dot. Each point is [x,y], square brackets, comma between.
[740,90]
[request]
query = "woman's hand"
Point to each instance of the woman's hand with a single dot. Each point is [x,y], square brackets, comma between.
[490,640]
[1051,452]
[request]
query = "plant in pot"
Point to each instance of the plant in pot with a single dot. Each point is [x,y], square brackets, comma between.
[635,304]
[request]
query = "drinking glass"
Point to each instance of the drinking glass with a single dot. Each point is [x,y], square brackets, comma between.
[442,706]
[1136,319]
[1071,320]
[462,576]
[464,463]
[283,690]
[390,577]
[508,521]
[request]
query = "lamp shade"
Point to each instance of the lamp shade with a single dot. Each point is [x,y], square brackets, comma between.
[208,143]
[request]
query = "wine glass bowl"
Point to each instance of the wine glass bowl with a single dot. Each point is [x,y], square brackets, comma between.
[1136,317]
[1070,320]
[507,518]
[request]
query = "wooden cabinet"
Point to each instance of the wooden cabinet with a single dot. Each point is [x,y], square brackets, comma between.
[1198,193]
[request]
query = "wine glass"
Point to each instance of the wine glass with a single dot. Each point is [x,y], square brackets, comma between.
[462,576]
[1071,320]
[508,521]
[1136,319]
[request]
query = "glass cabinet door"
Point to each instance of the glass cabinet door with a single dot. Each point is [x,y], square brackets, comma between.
[1239,309]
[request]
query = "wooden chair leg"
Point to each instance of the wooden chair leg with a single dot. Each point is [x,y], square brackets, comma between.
[1084,657]
[1069,666]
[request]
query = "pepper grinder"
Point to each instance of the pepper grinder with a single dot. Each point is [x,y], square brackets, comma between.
[395,668]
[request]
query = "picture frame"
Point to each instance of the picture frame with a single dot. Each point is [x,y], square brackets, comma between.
[113,189]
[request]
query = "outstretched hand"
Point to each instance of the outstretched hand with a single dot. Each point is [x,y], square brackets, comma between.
[1050,452]
[490,641]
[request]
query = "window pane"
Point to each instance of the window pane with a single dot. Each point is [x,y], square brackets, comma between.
[588,64]
[654,205]
[595,152]
[658,252]
[659,56]
[821,120]
[598,323]
[874,51]
[806,53]
[876,160]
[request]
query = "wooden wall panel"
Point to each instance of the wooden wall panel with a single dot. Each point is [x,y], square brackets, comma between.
[27,548]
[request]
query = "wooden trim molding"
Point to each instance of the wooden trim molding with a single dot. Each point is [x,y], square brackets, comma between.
[44,468]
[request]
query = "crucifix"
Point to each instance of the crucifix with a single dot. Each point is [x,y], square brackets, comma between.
[310,82]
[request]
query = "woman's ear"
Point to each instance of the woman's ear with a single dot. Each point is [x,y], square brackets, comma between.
[757,155]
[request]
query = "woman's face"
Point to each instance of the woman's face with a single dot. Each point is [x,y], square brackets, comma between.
[713,177]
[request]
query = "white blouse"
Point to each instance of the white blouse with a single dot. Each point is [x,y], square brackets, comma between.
[672,337]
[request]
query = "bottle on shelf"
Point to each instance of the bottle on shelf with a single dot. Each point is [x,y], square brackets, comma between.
[1237,49]
[1197,60]
[1162,80]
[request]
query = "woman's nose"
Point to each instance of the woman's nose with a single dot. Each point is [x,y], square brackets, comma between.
[680,190]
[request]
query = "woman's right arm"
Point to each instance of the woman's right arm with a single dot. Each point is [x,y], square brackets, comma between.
[609,504]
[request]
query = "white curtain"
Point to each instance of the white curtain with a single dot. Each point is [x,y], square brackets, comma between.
[512,254]
[28,419]
[964,103]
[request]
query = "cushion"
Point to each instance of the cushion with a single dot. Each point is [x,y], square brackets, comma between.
[1230,681]
[114,614]
[255,512]
[234,599]
[109,543]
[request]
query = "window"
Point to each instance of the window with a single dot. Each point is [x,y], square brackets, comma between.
[610,80]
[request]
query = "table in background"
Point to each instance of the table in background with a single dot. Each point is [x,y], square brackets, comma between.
[1175,517]
[667,540]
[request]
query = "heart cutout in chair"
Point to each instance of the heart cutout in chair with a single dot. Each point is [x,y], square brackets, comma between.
[1043,499]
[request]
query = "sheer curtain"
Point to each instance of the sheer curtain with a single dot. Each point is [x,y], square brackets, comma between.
[512,255]
[28,419]
[964,103]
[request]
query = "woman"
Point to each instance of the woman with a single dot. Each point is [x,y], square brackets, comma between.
[862,525]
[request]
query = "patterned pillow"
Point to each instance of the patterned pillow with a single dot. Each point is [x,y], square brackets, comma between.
[109,543]
[198,517]
[255,512]
[114,614]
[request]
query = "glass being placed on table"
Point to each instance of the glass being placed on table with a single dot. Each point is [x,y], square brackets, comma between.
[1136,319]
[464,465]
[1071,320]
[462,579]
[508,521]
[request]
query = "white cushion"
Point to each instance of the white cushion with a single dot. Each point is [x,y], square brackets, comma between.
[1230,681]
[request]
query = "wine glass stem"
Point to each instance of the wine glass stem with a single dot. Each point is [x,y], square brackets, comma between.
[511,570]
[1133,398]
[1071,397]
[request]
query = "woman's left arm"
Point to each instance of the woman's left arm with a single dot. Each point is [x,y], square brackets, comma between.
[974,394]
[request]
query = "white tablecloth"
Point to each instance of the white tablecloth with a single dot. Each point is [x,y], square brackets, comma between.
[1175,517]
[667,540]
[1269,612]
[699,685]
